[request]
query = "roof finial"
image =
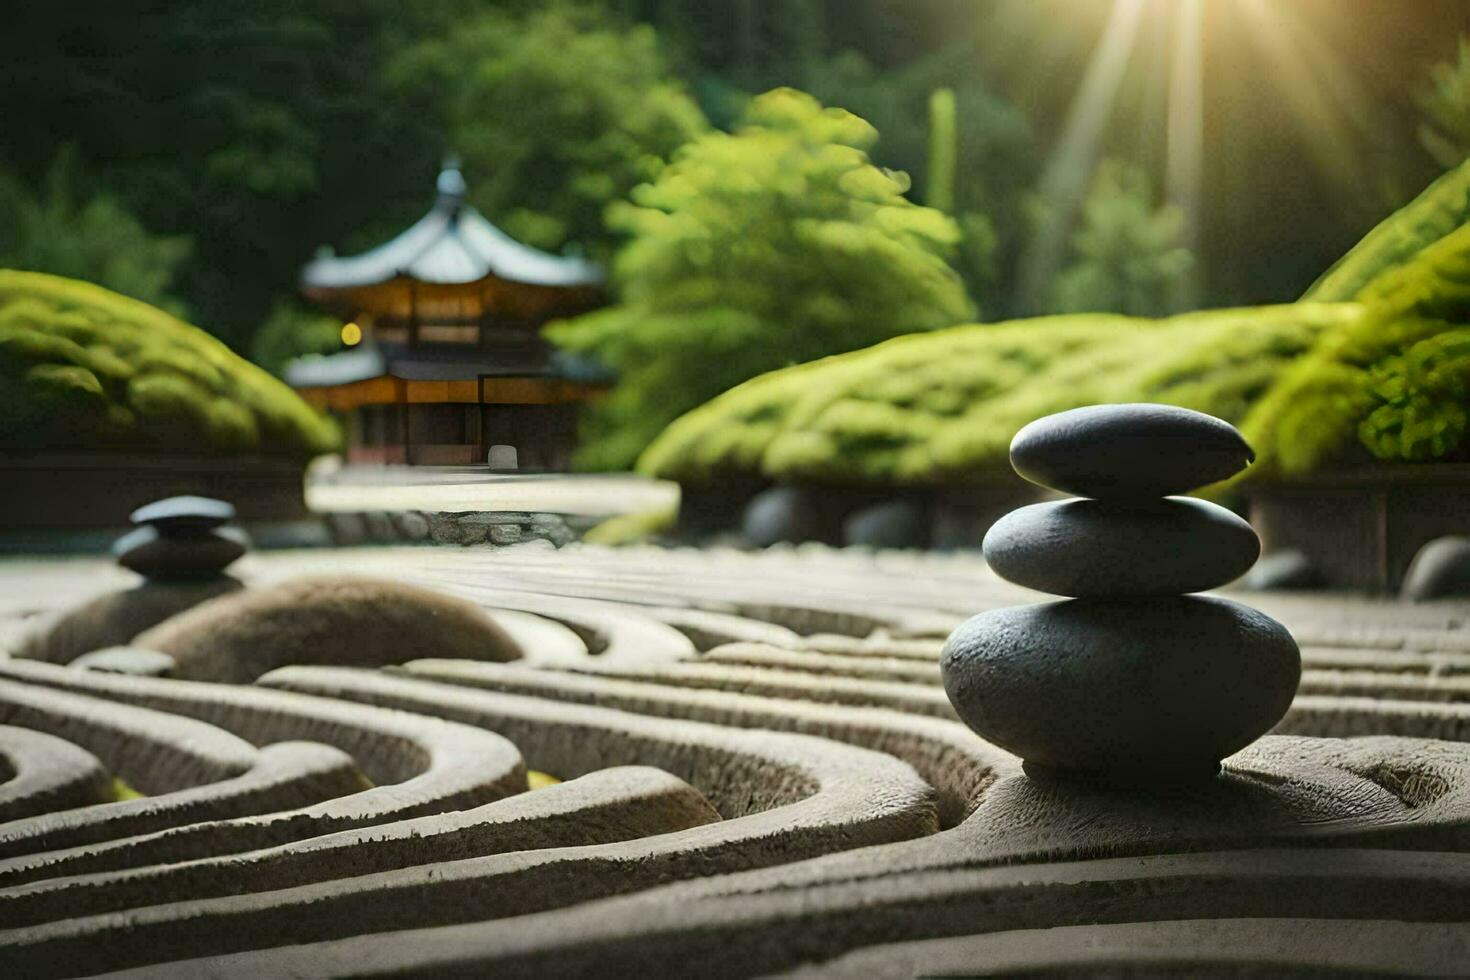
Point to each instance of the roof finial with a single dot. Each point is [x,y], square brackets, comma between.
[451,183]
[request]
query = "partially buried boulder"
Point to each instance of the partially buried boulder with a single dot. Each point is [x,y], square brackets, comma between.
[339,621]
[1284,570]
[1439,570]
[115,618]
[893,524]
[785,514]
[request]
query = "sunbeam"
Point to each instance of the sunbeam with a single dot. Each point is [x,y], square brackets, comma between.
[1065,179]
[1186,132]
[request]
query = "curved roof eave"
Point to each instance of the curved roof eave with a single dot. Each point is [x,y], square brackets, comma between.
[453,244]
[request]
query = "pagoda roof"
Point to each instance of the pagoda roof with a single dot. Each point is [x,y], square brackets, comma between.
[434,364]
[451,245]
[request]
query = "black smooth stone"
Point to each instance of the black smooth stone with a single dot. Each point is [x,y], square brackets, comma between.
[184,514]
[1124,690]
[156,555]
[1129,451]
[1106,548]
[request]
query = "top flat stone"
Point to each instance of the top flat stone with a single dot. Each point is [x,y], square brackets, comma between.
[1129,452]
[194,513]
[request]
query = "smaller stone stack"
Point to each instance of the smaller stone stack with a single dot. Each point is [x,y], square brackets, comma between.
[1131,681]
[181,539]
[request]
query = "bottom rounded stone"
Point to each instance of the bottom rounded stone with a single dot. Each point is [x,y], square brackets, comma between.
[1136,689]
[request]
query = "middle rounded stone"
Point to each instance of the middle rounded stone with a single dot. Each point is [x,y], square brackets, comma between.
[1086,548]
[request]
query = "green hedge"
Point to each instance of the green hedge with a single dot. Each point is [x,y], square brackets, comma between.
[943,406]
[1393,385]
[83,367]
[1443,207]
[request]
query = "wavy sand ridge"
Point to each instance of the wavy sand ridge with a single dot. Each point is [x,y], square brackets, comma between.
[761,774]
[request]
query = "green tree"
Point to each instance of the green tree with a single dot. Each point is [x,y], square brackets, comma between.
[291,332]
[777,244]
[259,128]
[986,161]
[943,150]
[555,113]
[1127,256]
[1444,129]
[64,231]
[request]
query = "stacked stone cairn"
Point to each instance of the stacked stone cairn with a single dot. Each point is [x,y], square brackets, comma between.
[1132,681]
[181,539]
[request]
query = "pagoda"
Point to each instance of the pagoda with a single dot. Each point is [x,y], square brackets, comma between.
[445,363]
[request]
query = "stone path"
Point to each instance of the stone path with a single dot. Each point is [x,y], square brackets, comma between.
[761,774]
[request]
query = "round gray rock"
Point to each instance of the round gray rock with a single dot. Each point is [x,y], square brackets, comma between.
[1133,451]
[1441,568]
[1284,570]
[790,514]
[1127,690]
[894,524]
[1105,548]
[158,554]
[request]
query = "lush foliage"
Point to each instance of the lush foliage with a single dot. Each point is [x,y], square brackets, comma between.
[84,367]
[969,151]
[1445,128]
[260,129]
[555,114]
[943,406]
[1393,386]
[778,244]
[1398,239]
[93,237]
[1127,256]
[291,331]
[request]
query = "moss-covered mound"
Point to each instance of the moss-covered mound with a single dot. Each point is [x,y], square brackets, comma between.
[1441,209]
[943,406]
[1393,385]
[84,367]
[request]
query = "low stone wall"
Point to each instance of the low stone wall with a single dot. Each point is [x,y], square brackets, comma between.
[498,528]
[1361,529]
[501,528]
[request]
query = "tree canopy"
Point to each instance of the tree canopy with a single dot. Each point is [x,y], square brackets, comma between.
[62,229]
[776,244]
[1126,253]
[555,113]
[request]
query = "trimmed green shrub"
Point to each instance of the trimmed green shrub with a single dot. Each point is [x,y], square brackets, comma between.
[84,367]
[943,406]
[776,244]
[1391,385]
[1437,212]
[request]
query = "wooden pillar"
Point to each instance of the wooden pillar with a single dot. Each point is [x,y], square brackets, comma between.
[482,435]
[402,387]
[413,313]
